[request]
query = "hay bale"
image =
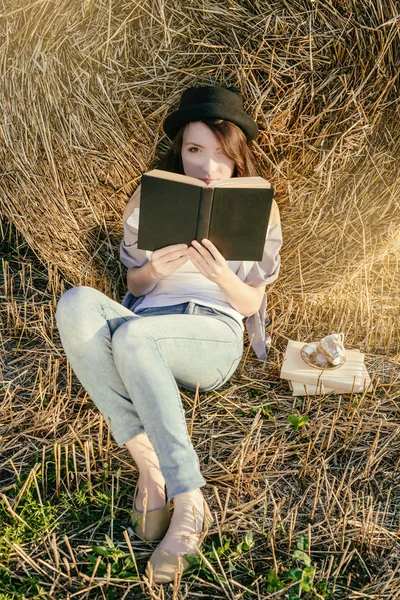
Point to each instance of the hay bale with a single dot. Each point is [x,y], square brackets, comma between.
[87,85]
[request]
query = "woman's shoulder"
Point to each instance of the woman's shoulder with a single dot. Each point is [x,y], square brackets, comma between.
[134,202]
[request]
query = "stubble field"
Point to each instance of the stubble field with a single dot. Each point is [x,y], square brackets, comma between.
[307,513]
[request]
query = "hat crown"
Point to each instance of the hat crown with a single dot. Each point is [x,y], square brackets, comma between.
[211,102]
[211,95]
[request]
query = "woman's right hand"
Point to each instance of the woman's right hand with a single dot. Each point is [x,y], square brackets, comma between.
[165,261]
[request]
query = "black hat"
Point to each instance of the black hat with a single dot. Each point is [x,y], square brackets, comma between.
[209,102]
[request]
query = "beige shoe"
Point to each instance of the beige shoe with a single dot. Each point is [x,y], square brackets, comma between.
[151,525]
[163,566]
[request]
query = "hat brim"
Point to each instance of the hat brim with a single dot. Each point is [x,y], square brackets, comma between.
[198,112]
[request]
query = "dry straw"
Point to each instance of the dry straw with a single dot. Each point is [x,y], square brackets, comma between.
[84,89]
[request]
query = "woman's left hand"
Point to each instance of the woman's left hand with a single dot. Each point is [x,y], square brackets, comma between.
[208,260]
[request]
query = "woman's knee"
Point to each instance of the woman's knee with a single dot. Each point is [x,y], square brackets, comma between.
[72,307]
[70,298]
[74,299]
[131,340]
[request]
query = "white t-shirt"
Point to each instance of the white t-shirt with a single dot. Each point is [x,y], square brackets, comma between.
[256,274]
[187,284]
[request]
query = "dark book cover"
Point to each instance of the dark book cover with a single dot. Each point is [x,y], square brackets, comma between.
[239,221]
[234,219]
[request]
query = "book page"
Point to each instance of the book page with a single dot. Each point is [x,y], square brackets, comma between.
[236,182]
[175,177]
[241,182]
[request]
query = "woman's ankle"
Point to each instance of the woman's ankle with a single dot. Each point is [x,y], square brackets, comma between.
[194,496]
[186,525]
[150,492]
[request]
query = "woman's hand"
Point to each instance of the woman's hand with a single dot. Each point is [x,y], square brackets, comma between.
[208,260]
[165,261]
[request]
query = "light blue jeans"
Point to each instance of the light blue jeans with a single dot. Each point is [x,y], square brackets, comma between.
[130,365]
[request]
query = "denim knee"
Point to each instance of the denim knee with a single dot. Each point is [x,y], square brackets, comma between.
[73,299]
[73,316]
[129,342]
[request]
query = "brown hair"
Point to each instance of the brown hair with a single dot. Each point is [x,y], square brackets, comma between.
[233,142]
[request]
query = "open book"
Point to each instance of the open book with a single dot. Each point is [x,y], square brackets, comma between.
[232,213]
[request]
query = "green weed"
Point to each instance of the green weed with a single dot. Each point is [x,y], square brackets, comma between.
[297,422]
[13,589]
[35,519]
[302,576]
[113,561]
[223,551]
[264,408]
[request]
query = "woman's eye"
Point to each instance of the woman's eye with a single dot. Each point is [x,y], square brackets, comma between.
[195,150]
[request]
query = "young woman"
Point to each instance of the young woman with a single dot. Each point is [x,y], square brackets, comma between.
[179,324]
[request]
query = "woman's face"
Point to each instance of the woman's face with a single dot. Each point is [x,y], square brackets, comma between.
[202,156]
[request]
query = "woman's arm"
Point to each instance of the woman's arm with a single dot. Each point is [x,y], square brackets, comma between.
[141,280]
[142,275]
[244,298]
